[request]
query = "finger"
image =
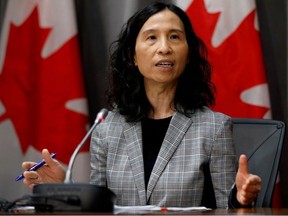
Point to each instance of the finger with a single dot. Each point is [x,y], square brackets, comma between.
[27,164]
[31,175]
[29,183]
[249,195]
[255,189]
[243,165]
[245,197]
[248,199]
[253,180]
[47,157]
[253,183]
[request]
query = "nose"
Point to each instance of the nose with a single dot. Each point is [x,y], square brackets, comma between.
[164,47]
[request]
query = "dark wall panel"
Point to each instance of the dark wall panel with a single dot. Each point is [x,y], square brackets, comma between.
[273,29]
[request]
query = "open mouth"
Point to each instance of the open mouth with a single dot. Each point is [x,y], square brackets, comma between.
[164,64]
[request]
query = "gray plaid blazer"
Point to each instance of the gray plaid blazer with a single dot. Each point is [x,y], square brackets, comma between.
[177,178]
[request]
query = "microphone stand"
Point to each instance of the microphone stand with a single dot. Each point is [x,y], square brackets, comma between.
[100,117]
[68,196]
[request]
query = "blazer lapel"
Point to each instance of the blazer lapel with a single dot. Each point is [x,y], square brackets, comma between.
[133,135]
[175,133]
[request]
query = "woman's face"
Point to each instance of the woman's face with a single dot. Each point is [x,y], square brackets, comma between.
[161,50]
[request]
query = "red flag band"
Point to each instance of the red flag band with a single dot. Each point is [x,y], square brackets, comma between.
[42,98]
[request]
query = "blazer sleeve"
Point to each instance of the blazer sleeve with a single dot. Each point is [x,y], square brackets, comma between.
[98,156]
[222,161]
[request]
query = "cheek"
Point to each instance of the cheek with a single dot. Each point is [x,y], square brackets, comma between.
[143,54]
[140,59]
[137,59]
[142,67]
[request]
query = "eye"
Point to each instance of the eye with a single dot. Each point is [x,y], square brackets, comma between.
[174,36]
[151,37]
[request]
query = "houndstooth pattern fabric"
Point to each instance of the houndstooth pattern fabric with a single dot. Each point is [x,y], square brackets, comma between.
[177,178]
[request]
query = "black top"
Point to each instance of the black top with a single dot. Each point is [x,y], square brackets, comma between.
[153,133]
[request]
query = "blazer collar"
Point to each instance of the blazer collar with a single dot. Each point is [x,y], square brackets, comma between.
[133,136]
[175,133]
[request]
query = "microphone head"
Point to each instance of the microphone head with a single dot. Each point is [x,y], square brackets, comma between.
[101,115]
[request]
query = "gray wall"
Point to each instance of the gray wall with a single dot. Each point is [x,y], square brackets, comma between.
[2,11]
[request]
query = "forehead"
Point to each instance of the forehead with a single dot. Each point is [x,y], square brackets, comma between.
[164,19]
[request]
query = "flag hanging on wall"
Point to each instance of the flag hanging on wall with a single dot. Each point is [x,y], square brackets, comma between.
[42,97]
[230,31]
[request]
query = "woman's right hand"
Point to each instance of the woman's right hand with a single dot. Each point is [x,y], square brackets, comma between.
[51,172]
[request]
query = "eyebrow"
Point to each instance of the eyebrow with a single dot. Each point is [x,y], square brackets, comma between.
[171,30]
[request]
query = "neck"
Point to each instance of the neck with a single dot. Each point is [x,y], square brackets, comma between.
[160,115]
[161,98]
[162,104]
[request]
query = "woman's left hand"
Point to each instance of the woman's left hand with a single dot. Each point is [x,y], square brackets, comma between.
[248,185]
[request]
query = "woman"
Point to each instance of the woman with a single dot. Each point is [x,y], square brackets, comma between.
[161,143]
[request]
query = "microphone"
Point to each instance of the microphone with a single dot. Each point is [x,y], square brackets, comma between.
[99,118]
[68,196]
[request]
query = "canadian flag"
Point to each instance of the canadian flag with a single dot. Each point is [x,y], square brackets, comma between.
[42,98]
[230,31]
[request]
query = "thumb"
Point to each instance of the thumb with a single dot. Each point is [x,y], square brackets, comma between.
[47,157]
[243,165]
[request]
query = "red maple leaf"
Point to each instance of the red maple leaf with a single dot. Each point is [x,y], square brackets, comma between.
[237,62]
[34,90]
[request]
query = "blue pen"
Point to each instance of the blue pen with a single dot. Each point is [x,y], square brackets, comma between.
[35,167]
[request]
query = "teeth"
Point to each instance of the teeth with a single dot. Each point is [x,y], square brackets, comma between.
[165,64]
